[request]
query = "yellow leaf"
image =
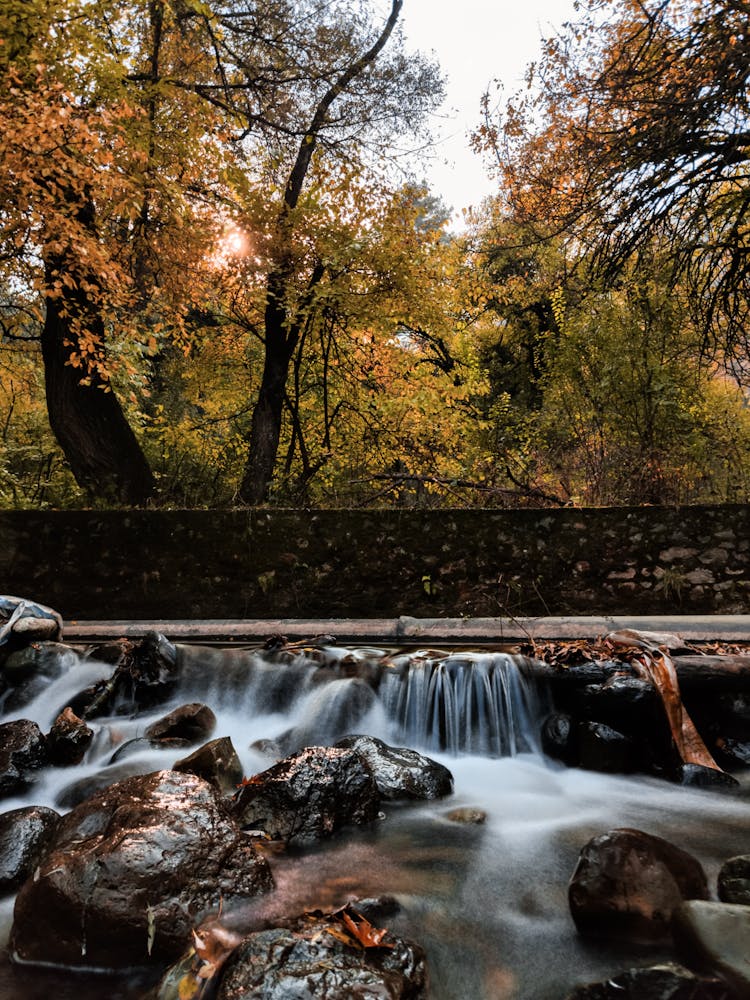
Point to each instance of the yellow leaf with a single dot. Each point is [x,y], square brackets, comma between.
[188,987]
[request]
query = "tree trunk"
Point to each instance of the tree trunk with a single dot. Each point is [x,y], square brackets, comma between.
[87,419]
[265,430]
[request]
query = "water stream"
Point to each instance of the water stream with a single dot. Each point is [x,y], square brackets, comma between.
[488,902]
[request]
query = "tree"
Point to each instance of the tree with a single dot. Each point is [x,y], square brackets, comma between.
[345,95]
[175,116]
[614,404]
[635,134]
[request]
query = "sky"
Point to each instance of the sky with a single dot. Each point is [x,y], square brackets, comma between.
[475,42]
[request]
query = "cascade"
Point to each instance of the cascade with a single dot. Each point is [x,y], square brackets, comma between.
[488,902]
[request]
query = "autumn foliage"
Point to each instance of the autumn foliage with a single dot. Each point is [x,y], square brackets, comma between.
[215,289]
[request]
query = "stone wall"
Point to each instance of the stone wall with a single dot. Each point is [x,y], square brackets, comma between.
[333,564]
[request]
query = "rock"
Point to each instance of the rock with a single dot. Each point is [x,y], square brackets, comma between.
[401,773]
[628,883]
[29,670]
[216,762]
[602,748]
[27,621]
[139,743]
[698,776]
[23,751]
[628,705]
[81,789]
[731,753]
[309,795]
[467,815]
[24,836]
[68,740]
[193,722]
[559,738]
[331,711]
[732,708]
[50,659]
[717,936]
[307,963]
[734,880]
[130,873]
[668,981]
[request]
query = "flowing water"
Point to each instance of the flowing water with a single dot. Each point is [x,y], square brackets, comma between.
[488,902]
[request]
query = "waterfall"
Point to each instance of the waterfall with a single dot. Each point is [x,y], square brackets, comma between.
[460,703]
[478,703]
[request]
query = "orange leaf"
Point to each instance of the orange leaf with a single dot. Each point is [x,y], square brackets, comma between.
[364,932]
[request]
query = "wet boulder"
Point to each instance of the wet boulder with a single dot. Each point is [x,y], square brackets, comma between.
[734,880]
[24,836]
[309,795]
[628,883]
[716,936]
[307,962]
[401,773]
[80,789]
[625,703]
[602,748]
[700,776]
[23,751]
[136,745]
[216,762]
[668,981]
[28,671]
[130,873]
[68,739]
[193,723]
[731,754]
[331,711]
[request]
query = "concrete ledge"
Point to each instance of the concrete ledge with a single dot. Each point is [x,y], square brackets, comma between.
[415,631]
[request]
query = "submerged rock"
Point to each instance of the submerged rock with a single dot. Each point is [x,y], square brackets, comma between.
[307,962]
[216,762]
[28,671]
[730,753]
[24,836]
[734,880]
[716,936]
[628,883]
[309,795]
[81,789]
[332,710]
[23,751]
[194,722]
[467,815]
[401,773]
[131,871]
[699,776]
[656,982]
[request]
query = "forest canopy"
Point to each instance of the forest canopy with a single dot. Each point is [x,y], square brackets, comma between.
[220,285]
